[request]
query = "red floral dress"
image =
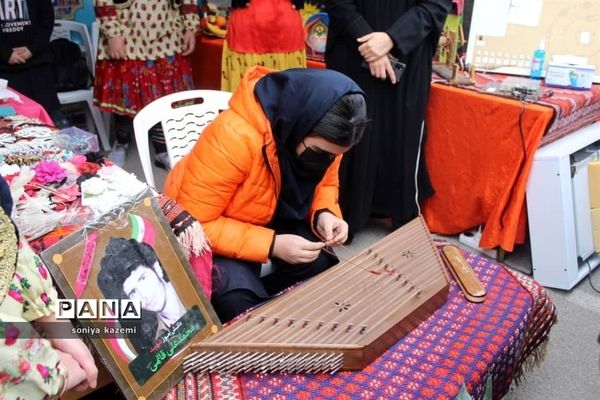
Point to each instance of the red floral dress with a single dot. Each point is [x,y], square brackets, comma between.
[153,32]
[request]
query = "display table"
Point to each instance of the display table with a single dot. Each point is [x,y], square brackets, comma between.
[479,153]
[462,343]
[486,154]
[28,108]
[480,150]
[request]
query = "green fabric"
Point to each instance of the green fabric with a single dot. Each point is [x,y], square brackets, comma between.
[487,395]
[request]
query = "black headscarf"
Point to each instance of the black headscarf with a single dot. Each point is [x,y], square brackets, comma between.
[294,101]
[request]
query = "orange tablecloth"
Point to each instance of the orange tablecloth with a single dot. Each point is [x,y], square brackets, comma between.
[474,154]
[476,163]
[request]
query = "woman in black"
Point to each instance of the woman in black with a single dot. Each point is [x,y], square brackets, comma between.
[25,56]
[377,176]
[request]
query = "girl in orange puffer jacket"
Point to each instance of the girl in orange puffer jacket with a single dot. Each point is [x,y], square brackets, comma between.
[263,181]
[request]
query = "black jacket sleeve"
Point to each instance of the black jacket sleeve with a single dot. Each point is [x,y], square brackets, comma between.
[353,22]
[418,24]
[5,53]
[45,25]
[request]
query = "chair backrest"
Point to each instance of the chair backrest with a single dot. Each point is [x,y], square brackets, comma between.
[183,116]
[95,36]
[64,28]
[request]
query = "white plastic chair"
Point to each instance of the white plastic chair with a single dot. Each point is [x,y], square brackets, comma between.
[63,29]
[182,123]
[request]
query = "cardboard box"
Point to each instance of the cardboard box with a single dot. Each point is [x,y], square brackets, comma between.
[570,76]
[597,241]
[594,183]
[596,219]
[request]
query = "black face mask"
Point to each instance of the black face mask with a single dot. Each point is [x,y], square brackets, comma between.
[314,163]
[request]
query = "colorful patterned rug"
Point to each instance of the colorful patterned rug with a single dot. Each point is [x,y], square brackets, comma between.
[461,343]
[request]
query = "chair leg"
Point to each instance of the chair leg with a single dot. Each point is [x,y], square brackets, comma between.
[100,127]
[108,121]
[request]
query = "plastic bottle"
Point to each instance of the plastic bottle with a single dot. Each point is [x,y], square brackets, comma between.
[537,62]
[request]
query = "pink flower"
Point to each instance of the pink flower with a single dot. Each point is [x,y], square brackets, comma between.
[44,297]
[78,159]
[67,194]
[49,171]
[24,366]
[11,334]
[4,377]
[16,295]
[41,268]
[43,370]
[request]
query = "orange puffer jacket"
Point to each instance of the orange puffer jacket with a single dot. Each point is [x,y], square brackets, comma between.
[230,181]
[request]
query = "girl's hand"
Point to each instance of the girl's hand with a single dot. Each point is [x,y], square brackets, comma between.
[81,354]
[333,230]
[295,249]
[116,48]
[189,43]
[75,374]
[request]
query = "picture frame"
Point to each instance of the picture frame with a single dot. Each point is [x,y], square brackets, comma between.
[133,294]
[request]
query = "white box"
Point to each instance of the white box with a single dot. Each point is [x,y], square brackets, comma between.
[570,76]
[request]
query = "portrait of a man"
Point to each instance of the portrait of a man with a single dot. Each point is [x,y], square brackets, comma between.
[131,270]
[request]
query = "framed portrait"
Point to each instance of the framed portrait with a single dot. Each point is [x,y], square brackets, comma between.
[130,290]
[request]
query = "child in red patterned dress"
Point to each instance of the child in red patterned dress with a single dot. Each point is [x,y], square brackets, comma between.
[142,55]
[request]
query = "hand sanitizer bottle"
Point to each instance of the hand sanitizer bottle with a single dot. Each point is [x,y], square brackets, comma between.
[537,62]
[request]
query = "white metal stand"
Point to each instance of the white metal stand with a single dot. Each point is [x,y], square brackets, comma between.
[551,212]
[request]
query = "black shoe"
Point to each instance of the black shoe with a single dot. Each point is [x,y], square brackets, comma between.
[161,160]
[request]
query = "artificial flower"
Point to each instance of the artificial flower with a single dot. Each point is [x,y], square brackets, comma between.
[49,172]
[93,186]
[97,157]
[78,159]
[88,168]
[32,187]
[67,194]
[9,169]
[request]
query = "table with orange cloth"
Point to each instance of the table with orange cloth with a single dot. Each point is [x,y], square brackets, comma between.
[479,153]
[480,149]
